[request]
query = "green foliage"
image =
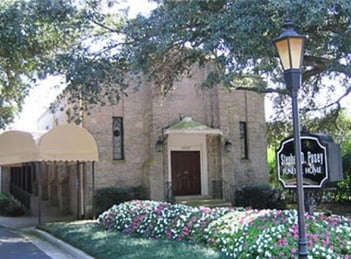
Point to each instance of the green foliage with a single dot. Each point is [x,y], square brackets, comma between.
[4,201]
[32,33]
[259,197]
[343,191]
[337,125]
[238,233]
[8,207]
[94,47]
[235,37]
[109,196]
[272,167]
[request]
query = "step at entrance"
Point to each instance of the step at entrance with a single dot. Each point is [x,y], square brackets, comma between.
[202,202]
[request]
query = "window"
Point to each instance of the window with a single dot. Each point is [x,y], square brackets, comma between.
[117,138]
[243,140]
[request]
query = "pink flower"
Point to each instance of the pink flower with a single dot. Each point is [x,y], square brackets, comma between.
[169,235]
[315,238]
[205,209]
[186,231]
[282,242]
[326,242]
[295,232]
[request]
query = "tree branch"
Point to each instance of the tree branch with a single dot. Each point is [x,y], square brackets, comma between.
[104,26]
[265,90]
[336,102]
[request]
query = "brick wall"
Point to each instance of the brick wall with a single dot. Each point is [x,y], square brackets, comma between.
[245,106]
[146,113]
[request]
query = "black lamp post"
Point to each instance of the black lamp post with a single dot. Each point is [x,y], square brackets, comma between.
[290,46]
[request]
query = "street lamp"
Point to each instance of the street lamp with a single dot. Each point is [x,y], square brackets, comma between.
[290,46]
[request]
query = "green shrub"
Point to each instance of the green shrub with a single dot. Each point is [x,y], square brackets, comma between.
[4,202]
[105,198]
[15,210]
[259,197]
[343,191]
[9,207]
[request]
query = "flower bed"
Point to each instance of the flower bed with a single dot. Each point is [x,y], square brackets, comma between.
[236,232]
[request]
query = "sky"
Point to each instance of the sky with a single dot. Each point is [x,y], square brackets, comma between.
[36,104]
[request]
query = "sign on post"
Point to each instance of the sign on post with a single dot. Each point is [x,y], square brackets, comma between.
[314,162]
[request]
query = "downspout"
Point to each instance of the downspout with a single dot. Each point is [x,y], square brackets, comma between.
[81,199]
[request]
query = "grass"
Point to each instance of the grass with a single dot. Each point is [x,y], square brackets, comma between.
[99,243]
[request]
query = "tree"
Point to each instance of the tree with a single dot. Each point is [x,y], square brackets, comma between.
[32,34]
[344,188]
[236,36]
[339,127]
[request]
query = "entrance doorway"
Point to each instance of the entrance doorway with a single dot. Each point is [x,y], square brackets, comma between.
[186,173]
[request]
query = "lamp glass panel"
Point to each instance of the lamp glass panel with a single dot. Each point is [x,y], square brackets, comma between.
[283,51]
[296,48]
[159,146]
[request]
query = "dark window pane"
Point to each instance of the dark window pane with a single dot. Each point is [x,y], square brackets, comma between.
[117,138]
[243,141]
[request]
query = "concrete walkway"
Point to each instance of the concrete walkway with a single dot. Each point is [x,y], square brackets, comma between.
[25,227]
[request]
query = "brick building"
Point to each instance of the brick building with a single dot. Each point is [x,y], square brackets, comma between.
[192,142]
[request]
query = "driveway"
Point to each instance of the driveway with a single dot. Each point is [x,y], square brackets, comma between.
[19,238]
[15,246]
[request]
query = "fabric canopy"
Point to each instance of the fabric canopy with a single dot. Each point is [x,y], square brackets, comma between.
[67,143]
[17,147]
[62,143]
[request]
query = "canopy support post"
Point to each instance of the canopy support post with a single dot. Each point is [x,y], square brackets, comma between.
[93,188]
[38,169]
[82,191]
[78,191]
